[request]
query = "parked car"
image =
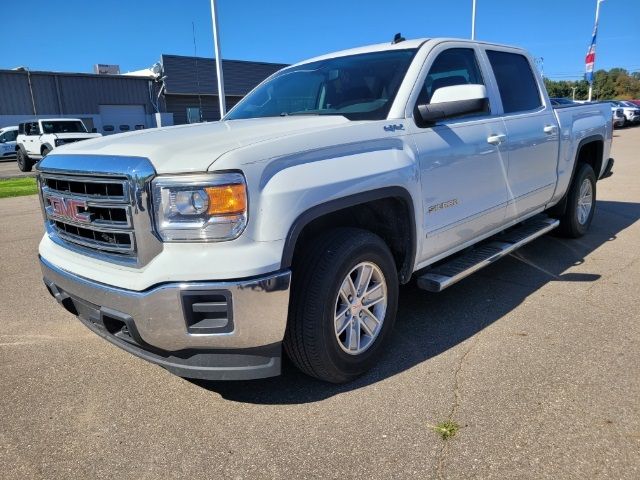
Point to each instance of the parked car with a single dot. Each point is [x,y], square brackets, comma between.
[37,138]
[617,113]
[630,110]
[292,222]
[8,141]
[635,102]
[556,101]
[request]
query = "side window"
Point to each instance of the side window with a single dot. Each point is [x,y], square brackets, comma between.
[456,66]
[11,135]
[516,82]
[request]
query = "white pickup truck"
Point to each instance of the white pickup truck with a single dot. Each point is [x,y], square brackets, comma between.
[290,224]
[39,137]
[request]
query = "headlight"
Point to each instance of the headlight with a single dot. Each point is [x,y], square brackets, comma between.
[200,208]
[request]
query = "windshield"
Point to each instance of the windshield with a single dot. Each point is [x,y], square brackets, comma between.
[359,87]
[73,126]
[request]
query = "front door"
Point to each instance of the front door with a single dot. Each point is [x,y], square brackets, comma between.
[462,164]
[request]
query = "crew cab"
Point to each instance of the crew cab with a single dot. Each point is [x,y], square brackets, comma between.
[8,141]
[39,137]
[290,224]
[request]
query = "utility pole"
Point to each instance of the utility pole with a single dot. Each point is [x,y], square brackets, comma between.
[33,101]
[573,93]
[216,47]
[473,19]
[591,54]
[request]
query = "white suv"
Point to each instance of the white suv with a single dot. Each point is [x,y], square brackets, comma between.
[8,141]
[38,137]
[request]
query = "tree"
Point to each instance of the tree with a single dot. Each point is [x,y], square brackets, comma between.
[616,83]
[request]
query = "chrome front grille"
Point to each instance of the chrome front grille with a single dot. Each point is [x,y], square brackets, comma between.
[100,206]
[92,212]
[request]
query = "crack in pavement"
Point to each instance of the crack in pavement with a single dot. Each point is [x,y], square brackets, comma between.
[456,400]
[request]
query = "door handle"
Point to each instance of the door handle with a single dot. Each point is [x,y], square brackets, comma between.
[496,139]
[550,129]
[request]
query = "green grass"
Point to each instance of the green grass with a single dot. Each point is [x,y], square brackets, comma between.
[446,429]
[16,187]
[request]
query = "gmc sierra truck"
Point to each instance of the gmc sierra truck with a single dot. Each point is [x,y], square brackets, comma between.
[289,225]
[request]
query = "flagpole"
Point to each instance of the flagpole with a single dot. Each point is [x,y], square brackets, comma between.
[473,20]
[216,47]
[594,59]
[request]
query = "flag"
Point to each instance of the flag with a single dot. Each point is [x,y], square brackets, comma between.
[591,56]
[590,59]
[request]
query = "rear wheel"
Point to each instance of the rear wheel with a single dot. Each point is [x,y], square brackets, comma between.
[24,162]
[344,302]
[581,203]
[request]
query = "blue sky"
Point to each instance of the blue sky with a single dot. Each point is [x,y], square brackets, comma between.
[72,35]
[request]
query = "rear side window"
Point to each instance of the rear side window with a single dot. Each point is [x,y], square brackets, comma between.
[516,82]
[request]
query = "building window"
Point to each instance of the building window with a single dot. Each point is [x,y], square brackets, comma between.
[125,128]
[139,127]
[194,115]
[108,128]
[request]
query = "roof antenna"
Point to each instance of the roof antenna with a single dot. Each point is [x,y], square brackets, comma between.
[398,38]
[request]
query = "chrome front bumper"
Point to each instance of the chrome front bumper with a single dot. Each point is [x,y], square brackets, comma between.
[162,324]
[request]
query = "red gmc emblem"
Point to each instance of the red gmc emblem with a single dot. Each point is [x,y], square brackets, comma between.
[68,209]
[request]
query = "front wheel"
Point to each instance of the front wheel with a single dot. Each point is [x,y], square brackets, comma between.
[581,203]
[344,302]
[24,162]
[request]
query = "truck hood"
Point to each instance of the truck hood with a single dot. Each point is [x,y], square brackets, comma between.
[193,148]
[76,136]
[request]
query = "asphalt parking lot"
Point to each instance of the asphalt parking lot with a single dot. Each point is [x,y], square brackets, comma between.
[9,169]
[537,358]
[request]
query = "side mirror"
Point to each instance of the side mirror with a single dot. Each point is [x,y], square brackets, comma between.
[453,101]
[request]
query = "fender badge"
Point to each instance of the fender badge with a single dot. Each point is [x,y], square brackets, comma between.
[393,127]
[441,206]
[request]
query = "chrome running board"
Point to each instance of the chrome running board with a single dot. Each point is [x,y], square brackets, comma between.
[446,274]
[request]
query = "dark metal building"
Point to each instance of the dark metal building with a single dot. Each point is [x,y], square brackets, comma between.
[119,103]
[96,99]
[190,87]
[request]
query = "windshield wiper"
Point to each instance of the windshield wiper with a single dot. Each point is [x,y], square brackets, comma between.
[301,112]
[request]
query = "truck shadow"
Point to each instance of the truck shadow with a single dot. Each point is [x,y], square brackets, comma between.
[429,324]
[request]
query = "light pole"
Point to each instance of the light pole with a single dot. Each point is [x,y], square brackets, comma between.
[573,93]
[473,19]
[216,47]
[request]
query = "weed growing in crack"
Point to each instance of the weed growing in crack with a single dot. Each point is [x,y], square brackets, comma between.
[446,429]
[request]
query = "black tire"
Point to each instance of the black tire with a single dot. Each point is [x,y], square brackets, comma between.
[318,272]
[25,164]
[45,151]
[570,226]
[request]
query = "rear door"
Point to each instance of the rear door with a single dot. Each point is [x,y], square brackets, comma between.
[462,173]
[32,138]
[532,132]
